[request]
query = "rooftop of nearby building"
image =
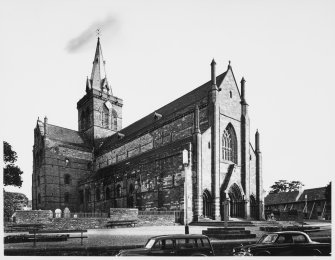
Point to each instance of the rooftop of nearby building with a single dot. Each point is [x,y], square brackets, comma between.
[295,196]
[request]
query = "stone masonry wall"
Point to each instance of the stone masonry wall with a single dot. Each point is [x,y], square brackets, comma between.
[33,216]
[123,214]
[45,217]
[154,181]
[61,160]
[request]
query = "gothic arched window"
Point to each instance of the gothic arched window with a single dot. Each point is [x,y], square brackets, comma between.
[87,195]
[97,194]
[107,194]
[105,117]
[83,120]
[229,144]
[67,179]
[114,120]
[67,162]
[87,118]
[118,191]
[131,189]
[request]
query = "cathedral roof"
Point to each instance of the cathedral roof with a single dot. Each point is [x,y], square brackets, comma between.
[165,112]
[62,134]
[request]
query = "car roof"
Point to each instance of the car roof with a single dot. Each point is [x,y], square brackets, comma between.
[179,236]
[288,232]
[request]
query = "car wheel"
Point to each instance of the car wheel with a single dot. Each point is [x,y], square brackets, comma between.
[263,254]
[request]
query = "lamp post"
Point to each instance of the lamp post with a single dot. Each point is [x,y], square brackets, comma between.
[185,163]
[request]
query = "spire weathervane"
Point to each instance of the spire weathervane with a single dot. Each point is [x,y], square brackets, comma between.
[98,31]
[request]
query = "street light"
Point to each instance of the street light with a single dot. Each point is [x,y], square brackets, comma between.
[185,163]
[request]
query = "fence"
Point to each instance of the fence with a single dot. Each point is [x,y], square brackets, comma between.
[89,215]
[7,219]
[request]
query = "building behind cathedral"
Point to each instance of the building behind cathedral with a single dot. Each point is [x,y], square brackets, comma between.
[103,165]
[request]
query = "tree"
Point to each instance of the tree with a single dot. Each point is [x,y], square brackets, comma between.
[11,172]
[13,201]
[295,185]
[285,186]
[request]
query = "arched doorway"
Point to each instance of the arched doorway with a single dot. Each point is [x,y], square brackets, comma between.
[253,207]
[207,204]
[130,200]
[236,202]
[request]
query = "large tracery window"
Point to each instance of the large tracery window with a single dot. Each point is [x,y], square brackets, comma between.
[114,120]
[229,144]
[105,117]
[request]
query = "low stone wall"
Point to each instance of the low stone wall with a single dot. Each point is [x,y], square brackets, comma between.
[123,214]
[77,223]
[32,216]
[46,217]
[157,220]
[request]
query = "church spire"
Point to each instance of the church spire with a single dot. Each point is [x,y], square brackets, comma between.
[98,76]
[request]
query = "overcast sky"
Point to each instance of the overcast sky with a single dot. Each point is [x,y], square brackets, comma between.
[156,51]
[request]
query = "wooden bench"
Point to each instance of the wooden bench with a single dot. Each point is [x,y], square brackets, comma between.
[114,223]
[81,231]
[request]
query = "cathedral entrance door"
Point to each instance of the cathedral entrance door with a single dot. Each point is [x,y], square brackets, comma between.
[207,204]
[237,202]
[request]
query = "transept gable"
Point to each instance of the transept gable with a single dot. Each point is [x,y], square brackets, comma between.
[229,88]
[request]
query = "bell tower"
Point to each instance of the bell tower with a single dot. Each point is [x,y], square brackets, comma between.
[99,112]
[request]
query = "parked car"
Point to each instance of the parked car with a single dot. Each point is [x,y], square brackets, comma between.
[173,245]
[285,243]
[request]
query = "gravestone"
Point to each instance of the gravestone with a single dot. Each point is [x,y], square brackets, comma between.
[58,213]
[67,213]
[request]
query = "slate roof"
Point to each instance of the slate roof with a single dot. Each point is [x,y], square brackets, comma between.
[143,124]
[281,198]
[62,134]
[313,194]
[293,196]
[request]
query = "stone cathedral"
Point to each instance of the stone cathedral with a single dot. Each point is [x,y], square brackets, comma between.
[103,165]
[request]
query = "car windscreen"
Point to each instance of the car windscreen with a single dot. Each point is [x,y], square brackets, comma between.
[150,243]
[267,239]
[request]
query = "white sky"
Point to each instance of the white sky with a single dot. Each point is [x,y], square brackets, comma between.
[156,51]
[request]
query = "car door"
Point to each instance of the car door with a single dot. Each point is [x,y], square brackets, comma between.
[302,246]
[163,247]
[283,246]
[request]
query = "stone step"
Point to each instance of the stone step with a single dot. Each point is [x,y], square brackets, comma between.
[221,223]
[226,229]
[232,236]
[237,232]
[265,223]
[288,228]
